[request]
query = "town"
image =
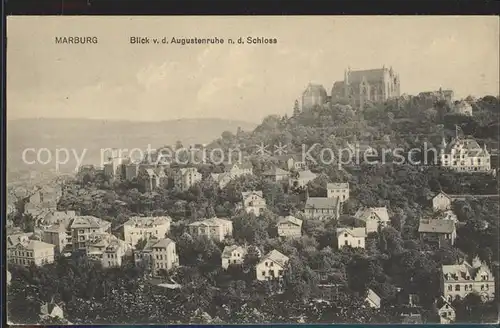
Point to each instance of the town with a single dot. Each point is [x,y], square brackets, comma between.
[275,237]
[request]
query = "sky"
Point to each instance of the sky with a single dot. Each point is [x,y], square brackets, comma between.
[116,80]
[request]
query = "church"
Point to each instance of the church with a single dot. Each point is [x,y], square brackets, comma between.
[374,85]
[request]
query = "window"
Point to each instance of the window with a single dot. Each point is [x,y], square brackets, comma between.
[272,264]
[487,287]
[482,287]
[267,264]
[450,288]
[280,272]
[457,288]
[345,235]
[263,273]
[466,287]
[359,242]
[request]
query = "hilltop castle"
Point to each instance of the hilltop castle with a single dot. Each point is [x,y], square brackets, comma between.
[358,87]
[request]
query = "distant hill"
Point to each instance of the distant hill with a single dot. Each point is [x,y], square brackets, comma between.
[94,135]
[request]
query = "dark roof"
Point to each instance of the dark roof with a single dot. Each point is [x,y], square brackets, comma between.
[371,75]
[436,226]
[315,90]
[322,202]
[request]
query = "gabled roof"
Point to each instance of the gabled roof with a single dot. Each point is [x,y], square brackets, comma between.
[163,243]
[441,302]
[371,75]
[228,250]
[322,203]
[276,257]
[14,239]
[338,185]
[373,297]
[33,245]
[442,193]
[275,171]
[461,271]
[246,194]
[307,175]
[290,219]
[365,214]
[355,232]
[436,226]
[315,90]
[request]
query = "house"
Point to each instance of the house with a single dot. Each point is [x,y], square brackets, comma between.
[353,237]
[373,299]
[158,255]
[441,202]
[291,162]
[437,232]
[108,249]
[221,179]
[445,311]
[276,175]
[340,190]
[233,254]
[289,226]
[185,178]
[271,266]
[82,227]
[58,235]
[214,228]
[137,228]
[373,217]
[156,178]
[51,310]
[238,169]
[24,251]
[459,280]
[301,179]
[464,155]
[254,202]
[322,207]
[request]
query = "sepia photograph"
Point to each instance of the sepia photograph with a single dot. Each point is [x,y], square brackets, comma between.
[252,169]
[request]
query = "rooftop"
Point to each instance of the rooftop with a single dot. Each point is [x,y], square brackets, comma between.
[149,221]
[338,185]
[290,219]
[365,214]
[276,257]
[436,226]
[355,232]
[322,202]
[229,249]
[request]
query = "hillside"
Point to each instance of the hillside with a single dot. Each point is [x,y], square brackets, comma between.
[93,135]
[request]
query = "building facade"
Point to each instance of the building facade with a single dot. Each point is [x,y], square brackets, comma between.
[460,280]
[26,252]
[232,255]
[353,237]
[158,255]
[441,202]
[374,85]
[464,154]
[437,232]
[185,178]
[322,208]
[340,190]
[272,266]
[214,228]
[254,202]
[290,227]
[374,217]
[137,228]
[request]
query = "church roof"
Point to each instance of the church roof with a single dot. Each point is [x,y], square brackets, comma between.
[371,75]
[315,90]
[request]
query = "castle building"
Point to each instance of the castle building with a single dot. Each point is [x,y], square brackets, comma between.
[375,85]
[464,154]
[314,95]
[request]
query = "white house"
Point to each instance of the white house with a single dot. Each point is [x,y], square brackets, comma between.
[373,217]
[137,228]
[441,202]
[253,202]
[445,311]
[271,266]
[340,190]
[289,226]
[354,237]
[214,228]
[233,254]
